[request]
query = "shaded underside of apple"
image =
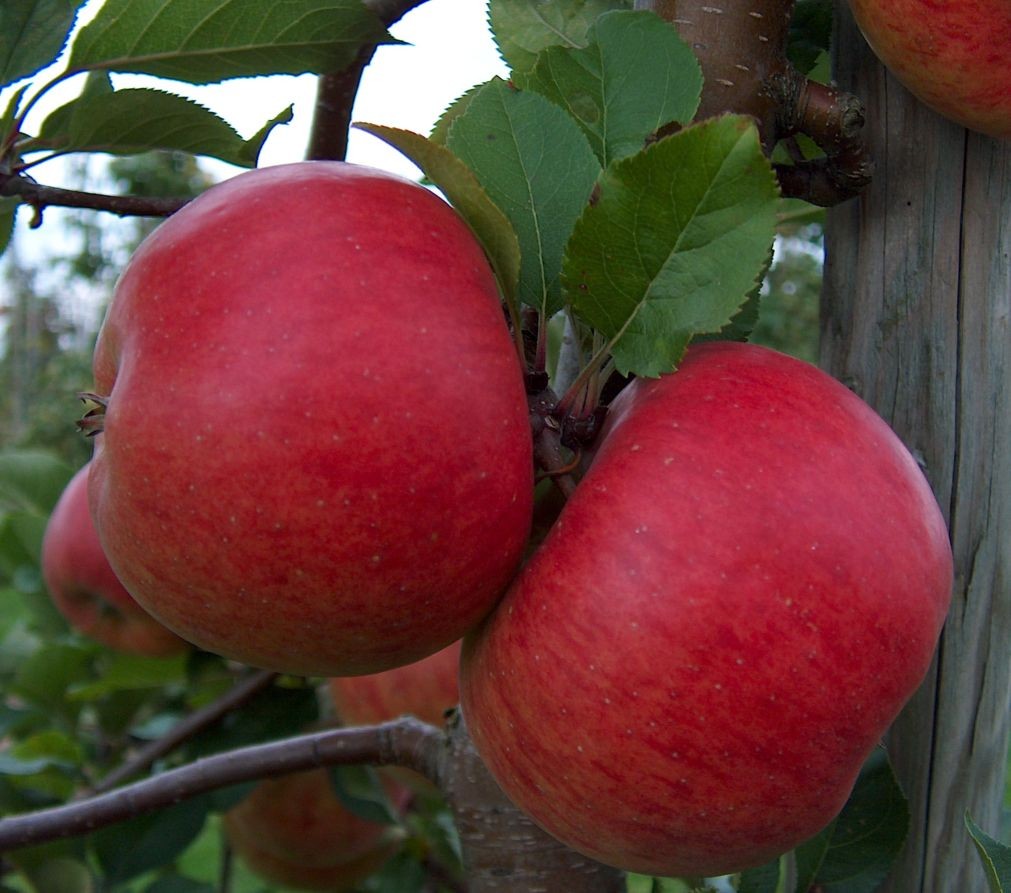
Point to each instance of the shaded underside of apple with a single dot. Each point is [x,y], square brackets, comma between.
[953,56]
[745,588]
[316,454]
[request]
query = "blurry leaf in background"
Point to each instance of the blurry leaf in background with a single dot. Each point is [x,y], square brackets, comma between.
[130,848]
[810,33]
[175,883]
[360,790]
[790,297]
[32,480]
[274,713]
[131,671]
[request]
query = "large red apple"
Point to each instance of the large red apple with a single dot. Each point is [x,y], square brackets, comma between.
[743,591]
[84,587]
[425,689]
[953,55]
[316,453]
[294,831]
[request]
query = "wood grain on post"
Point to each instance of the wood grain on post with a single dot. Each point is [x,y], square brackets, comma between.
[915,318]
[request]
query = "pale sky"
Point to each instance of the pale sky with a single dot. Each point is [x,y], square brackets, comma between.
[450,50]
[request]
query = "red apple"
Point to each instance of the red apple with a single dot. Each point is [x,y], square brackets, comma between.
[316,453]
[745,588]
[425,689]
[84,588]
[953,56]
[294,831]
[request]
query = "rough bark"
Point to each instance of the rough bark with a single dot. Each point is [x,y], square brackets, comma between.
[741,48]
[916,308]
[503,851]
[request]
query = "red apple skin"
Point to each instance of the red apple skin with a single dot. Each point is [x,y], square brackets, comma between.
[316,455]
[294,831]
[84,587]
[952,55]
[425,689]
[743,591]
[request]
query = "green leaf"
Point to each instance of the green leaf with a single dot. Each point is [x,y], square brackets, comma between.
[440,131]
[127,672]
[11,765]
[404,873]
[795,213]
[635,76]
[128,122]
[675,239]
[204,42]
[130,848]
[62,874]
[460,186]
[522,28]
[28,529]
[8,210]
[764,879]
[32,34]
[996,857]
[274,713]
[32,480]
[855,853]
[361,791]
[176,883]
[536,165]
[810,33]
[45,676]
[46,763]
[742,324]
[10,114]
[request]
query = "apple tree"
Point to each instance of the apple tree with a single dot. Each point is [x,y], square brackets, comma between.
[555,376]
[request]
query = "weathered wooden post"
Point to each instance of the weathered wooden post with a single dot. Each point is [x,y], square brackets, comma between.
[915,318]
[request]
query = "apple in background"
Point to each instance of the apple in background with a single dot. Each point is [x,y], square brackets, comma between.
[84,588]
[425,689]
[315,455]
[294,831]
[743,591]
[953,56]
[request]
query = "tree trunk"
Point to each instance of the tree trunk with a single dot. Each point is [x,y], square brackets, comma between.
[503,851]
[915,319]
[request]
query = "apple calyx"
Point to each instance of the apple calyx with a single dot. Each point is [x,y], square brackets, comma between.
[93,421]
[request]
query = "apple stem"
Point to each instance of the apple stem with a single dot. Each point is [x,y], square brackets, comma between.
[93,421]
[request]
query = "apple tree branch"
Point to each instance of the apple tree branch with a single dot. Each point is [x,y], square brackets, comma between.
[402,742]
